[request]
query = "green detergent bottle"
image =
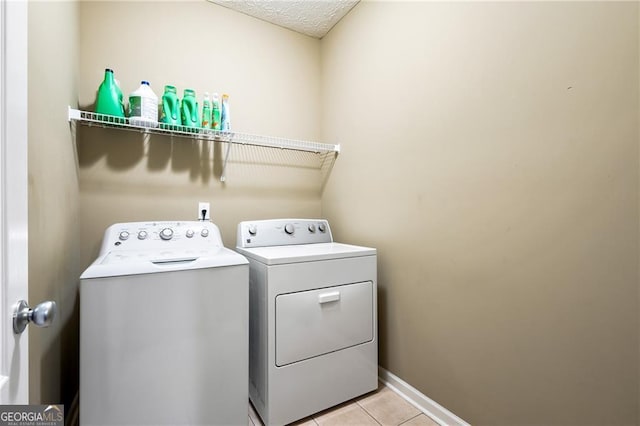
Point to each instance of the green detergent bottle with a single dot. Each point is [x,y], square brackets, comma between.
[189,109]
[215,112]
[109,101]
[170,107]
[206,112]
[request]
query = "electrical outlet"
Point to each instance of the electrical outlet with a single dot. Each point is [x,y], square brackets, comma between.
[204,211]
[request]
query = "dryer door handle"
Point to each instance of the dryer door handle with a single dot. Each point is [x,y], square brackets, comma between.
[328,297]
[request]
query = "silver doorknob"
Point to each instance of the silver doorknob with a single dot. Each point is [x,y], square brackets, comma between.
[42,315]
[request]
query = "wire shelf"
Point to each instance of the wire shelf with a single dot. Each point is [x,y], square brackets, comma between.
[327,152]
[103,120]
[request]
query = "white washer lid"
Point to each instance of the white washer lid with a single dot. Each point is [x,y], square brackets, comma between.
[278,255]
[135,262]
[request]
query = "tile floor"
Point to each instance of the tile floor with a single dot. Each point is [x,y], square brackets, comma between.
[381,407]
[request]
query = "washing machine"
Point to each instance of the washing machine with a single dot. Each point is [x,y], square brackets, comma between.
[312,318]
[164,328]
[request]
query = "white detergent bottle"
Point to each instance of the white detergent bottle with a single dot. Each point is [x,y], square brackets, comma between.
[143,106]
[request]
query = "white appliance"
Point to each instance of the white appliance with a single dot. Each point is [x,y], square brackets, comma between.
[312,318]
[164,328]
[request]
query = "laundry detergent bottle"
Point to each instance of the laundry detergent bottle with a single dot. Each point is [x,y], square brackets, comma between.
[143,106]
[206,112]
[225,114]
[170,113]
[189,109]
[215,112]
[109,100]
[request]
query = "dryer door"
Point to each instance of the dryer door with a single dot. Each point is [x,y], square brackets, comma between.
[315,322]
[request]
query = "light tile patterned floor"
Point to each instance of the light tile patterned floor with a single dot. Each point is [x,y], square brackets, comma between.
[381,407]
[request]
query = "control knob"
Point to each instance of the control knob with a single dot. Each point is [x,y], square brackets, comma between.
[124,235]
[253,230]
[166,234]
[142,235]
[205,233]
[312,228]
[322,227]
[289,229]
[189,233]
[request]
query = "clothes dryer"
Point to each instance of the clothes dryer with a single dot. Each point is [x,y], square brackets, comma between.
[312,319]
[164,328]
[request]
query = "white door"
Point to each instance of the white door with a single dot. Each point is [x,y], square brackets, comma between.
[14,348]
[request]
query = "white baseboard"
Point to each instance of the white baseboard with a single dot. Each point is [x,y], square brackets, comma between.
[422,402]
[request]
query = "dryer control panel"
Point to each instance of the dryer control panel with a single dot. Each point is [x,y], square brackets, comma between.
[283,232]
[160,235]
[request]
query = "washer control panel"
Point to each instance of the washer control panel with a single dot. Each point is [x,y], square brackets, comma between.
[281,232]
[161,235]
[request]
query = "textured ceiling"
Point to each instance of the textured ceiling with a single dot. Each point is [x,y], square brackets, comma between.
[311,17]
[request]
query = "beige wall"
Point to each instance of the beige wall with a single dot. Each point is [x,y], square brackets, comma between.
[490,152]
[53,199]
[272,75]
